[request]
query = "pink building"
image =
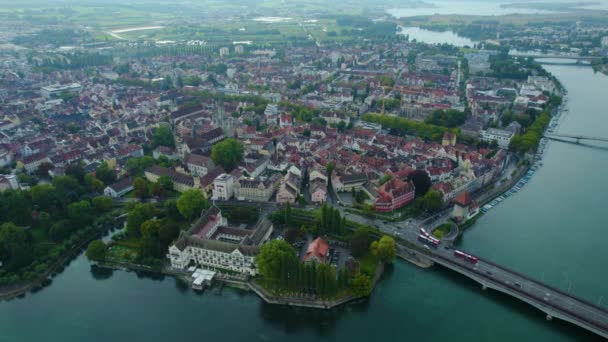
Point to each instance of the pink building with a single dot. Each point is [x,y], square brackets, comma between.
[394,194]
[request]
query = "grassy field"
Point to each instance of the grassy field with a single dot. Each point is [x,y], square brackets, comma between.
[211,20]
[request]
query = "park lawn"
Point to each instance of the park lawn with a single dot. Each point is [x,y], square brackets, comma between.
[121,253]
[442,230]
[368,264]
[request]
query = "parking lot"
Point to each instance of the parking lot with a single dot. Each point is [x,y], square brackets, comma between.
[338,251]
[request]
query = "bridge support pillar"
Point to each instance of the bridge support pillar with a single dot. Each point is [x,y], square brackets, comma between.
[549,317]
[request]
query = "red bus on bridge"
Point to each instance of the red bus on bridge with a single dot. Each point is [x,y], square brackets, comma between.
[467,257]
[428,240]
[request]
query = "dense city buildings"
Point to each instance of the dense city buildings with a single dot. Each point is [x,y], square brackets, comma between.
[295,149]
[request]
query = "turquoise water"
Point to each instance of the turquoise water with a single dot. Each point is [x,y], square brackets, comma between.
[553,229]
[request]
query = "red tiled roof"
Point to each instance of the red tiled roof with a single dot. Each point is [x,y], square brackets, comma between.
[463,199]
[318,248]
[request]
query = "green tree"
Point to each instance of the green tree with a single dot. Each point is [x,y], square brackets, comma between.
[171,210]
[93,184]
[330,169]
[155,189]
[361,285]
[268,260]
[15,249]
[76,170]
[191,203]
[97,251]
[137,166]
[44,220]
[387,81]
[27,179]
[168,232]
[432,200]
[17,208]
[166,183]
[102,204]
[150,229]
[80,213]
[105,174]
[60,230]
[140,188]
[44,197]
[422,182]
[68,189]
[149,248]
[228,153]
[163,136]
[138,215]
[385,249]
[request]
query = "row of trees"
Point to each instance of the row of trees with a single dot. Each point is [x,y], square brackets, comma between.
[530,140]
[404,126]
[278,263]
[74,60]
[319,279]
[331,222]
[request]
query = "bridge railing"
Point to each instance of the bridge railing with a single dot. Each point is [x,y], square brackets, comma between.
[550,287]
[572,136]
[598,325]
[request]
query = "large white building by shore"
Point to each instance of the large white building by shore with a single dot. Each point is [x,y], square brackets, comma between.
[210,243]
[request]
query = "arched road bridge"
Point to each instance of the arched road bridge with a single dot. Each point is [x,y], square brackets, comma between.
[575,137]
